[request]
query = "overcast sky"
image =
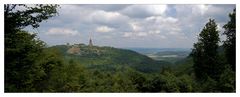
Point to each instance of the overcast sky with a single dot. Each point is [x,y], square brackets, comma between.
[149,26]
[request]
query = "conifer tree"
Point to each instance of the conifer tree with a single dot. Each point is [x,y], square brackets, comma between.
[205,55]
[230,43]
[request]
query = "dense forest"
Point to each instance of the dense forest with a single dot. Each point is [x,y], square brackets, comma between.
[32,66]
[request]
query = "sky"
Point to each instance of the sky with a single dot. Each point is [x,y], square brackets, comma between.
[116,25]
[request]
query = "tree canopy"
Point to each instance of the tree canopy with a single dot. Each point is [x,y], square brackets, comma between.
[22,49]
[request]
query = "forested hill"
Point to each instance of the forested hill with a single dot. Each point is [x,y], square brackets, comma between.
[109,57]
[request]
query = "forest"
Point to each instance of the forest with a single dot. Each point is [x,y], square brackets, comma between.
[32,66]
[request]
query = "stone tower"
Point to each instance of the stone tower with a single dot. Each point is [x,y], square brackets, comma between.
[90,42]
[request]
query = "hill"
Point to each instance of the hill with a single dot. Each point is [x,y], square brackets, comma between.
[108,58]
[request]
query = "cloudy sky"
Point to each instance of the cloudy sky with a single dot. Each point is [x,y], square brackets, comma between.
[149,26]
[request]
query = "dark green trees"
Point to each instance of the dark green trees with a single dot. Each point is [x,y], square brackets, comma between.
[216,69]
[230,43]
[205,54]
[22,49]
[228,77]
[21,52]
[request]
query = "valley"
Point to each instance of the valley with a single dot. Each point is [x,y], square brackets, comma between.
[171,55]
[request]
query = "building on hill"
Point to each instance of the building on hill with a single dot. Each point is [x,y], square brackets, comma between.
[74,50]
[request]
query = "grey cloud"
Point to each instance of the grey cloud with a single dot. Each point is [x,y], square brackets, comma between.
[219,12]
[143,11]
[112,18]
[175,26]
[192,21]
[105,7]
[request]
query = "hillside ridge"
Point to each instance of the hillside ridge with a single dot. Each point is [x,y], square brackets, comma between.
[95,56]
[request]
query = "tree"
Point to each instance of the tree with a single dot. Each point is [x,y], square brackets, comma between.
[230,43]
[205,55]
[18,16]
[20,58]
[22,49]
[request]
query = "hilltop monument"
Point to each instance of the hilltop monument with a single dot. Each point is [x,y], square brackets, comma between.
[90,41]
[75,49]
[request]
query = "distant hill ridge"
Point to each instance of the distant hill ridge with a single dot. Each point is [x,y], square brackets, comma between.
[109,56]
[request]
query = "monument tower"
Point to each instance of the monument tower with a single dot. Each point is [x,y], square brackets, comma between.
[90,41]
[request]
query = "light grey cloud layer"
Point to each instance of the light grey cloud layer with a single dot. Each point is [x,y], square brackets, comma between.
[158,26]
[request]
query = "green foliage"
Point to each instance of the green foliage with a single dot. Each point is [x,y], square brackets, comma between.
[21,53]
[208,85]
[22,49]
[184,66]
[230,43]
[215,69]
[170,82]
[17,19]
[67,78]
[167,81]
[49,60]
[186,83]
[205,54]
[138,80]
[227,82]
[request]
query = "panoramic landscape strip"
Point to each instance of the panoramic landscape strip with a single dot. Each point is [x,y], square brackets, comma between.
[119,48]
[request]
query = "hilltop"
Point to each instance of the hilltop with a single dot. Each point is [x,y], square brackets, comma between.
[109,57]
